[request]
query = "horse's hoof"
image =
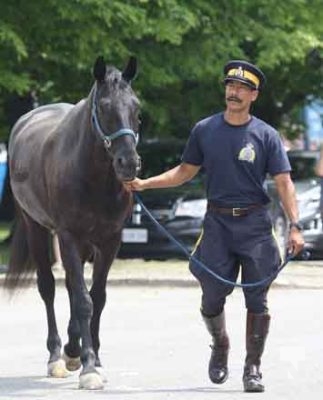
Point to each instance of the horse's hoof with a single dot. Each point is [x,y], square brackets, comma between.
[72,363]
[91,381]
[102,373]
[57,369]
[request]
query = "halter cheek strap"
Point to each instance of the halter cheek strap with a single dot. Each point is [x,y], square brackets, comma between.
[108,138]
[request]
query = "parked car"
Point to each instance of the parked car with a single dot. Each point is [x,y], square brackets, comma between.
[308,192]
[6,199]
[180,210]
[3,168]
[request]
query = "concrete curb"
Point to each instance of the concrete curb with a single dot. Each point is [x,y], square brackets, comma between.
[174,273]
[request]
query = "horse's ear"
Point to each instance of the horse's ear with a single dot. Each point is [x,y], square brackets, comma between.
[130,71]
[99,69]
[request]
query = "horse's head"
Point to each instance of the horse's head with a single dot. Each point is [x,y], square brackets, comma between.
[115,110]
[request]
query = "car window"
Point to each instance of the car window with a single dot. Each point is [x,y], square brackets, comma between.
[156,159]
[302,167]
[154,163]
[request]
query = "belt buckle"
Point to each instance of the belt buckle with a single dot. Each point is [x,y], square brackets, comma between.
[236,212]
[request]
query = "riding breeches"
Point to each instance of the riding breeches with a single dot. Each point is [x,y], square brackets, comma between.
[232,244]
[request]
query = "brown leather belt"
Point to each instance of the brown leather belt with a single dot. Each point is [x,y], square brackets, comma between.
[235,211]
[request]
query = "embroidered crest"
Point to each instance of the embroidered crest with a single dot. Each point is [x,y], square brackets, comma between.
[247,153]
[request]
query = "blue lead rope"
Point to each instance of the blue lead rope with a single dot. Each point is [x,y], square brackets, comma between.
[262,282]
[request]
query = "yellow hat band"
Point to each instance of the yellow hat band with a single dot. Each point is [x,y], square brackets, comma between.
[240,73]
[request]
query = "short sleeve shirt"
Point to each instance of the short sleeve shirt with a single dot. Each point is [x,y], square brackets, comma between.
[236,159]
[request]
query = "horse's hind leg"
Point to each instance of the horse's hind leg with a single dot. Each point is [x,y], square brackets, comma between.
[39,244]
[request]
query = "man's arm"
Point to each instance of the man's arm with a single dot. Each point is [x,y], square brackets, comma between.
[287,195]
[174,177]
[319,164]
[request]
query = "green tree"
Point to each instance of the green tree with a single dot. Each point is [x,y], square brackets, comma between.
[49,47]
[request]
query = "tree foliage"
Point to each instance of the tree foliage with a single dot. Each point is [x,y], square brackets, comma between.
[50,46]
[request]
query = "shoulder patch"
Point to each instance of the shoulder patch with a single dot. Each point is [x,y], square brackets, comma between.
[247,153]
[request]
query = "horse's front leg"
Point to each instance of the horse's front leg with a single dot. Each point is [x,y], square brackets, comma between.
[83,308]
[72,349]
[102,263]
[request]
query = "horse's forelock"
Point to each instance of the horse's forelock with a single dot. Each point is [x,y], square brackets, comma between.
[113,76]
[114,85]
[114,79]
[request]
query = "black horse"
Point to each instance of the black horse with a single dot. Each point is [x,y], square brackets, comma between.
[67,167]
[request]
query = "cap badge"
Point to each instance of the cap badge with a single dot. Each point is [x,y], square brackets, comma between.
[239,72]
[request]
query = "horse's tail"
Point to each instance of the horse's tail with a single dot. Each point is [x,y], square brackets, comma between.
[20,267]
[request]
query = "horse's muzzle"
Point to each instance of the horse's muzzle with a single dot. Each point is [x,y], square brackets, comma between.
[127,168]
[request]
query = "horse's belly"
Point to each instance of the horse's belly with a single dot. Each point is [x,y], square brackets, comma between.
[30,203]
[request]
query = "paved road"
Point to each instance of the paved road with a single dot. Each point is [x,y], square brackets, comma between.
[155,347]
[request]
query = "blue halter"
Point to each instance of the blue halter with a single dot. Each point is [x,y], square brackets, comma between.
[108,138]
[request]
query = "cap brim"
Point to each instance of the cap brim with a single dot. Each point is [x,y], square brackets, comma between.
[242,80]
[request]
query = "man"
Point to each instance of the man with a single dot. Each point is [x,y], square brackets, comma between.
[236,151]
[319,173]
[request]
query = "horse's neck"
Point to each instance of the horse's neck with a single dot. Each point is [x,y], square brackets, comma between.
[80,133]
[80,144]
[85,158]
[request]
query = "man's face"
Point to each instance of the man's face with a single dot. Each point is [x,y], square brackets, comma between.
[239,96]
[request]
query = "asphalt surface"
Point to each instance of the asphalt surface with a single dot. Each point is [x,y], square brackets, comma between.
[154,344]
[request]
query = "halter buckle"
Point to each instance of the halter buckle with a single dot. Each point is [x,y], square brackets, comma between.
[107,142]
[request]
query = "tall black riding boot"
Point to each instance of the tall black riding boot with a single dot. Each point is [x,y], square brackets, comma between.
[218,365]
[256,333]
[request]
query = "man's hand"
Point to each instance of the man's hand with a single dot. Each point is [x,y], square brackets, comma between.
[135,185]
[295,241]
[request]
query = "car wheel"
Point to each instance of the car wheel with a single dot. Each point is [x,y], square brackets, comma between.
[280,228]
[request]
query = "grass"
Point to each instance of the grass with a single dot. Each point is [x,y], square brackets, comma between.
[4,245]
[4,230]
[123,268]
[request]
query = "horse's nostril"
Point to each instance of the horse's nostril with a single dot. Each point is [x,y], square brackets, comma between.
[127,164]
[121,161]
[124,162]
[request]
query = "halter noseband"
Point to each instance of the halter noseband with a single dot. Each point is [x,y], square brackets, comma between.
[107,139]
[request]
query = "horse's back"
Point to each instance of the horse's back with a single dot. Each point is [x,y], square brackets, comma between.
[38,123]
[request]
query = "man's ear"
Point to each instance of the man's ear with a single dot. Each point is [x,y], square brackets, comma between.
[255,94]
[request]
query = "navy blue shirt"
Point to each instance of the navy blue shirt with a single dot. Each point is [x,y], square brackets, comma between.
[236,159]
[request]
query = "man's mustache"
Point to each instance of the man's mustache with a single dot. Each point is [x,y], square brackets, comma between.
[233,98]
